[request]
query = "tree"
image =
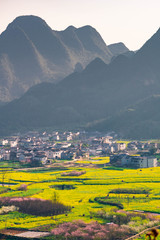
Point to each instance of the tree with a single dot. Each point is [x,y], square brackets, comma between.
[55,197]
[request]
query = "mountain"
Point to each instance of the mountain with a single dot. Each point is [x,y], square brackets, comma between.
[140,118]
[118,48]
[31,53]
[85,44]
[139,121]
[99,98]
[62,105]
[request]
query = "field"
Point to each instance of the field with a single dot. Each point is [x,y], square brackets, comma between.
[110,184]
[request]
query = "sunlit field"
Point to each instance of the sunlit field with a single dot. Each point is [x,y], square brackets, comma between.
[98,181]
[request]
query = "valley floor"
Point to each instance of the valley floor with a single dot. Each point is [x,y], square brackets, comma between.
[139,191]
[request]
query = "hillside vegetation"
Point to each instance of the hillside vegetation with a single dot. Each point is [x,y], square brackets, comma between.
[122,97]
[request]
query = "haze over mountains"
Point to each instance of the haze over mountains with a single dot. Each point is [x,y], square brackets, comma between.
[31,53]
[122,96]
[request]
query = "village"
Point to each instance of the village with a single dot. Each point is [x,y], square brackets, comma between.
[76,171]
[35,149]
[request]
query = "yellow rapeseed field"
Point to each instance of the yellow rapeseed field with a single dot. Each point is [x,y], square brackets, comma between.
[95,182]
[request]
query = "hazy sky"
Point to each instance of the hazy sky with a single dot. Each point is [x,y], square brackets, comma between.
[129,21]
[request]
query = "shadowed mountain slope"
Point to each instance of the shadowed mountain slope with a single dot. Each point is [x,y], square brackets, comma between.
[31,53]
[97,98]
[138,121]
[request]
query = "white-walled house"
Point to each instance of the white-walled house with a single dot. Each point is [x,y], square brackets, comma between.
[13,143]
[53,154]
[147,162]
[6,155]
[3,142]
[139,162]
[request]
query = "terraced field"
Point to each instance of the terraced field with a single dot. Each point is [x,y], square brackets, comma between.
[97,181]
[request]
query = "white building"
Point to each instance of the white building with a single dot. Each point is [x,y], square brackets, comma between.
[14,143]
[54,154]
[147,162]
[4,142]
[139,162]
[6,155]
[121,146]
[56,137]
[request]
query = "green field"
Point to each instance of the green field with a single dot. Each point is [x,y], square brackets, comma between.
[96,182]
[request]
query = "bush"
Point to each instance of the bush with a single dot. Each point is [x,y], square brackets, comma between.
[71,179]
[94,230]
[73,173]
[4,190]
[34,206]
[121,217]
[22,187]
[7,209]
[63,186]
[105,201]
[130,191]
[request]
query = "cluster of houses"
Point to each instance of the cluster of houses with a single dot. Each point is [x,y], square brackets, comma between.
[33,148]
[104,145]
[107,145]
[144,146]
[42,148]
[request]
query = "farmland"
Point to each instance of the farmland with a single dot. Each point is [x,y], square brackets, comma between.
[134,189]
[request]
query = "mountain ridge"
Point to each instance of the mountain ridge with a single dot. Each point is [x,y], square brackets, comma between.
[99,93]
[31,52]
[119,96]
[118,48]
